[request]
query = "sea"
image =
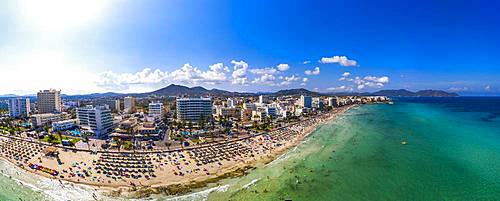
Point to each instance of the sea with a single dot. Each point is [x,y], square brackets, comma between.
[414,149]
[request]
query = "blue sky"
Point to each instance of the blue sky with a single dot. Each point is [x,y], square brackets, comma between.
[135,46]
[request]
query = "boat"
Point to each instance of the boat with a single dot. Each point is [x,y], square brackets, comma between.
[404,142]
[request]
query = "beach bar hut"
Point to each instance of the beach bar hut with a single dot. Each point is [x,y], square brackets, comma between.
[51,151]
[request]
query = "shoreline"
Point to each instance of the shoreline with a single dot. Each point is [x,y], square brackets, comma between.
[184,185]
[183,189]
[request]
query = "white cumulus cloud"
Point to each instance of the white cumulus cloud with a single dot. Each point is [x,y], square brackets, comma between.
[345,76]
[304,81]
[283,67]
[187,74]
[239,73]
[113,81]
[262,71]
[383,79]
[341,60]
[366,82]
[192,75]
[315,71]
[289,80]
[266,79]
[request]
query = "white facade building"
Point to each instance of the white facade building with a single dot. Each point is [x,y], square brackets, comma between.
[19,107]
[262,99]
[230,102]
[129,104]
[249,106]
[113,104]
[305,101]
[97,120]
[156,110]
[41,119]
[64,125]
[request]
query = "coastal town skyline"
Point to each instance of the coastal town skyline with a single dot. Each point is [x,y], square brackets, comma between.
[219,100]
[95,48]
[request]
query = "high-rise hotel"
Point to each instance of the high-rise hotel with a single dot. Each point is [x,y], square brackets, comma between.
[129,104]
[19,107]
[49,101]
[97,120]
[305,101]
[193,109]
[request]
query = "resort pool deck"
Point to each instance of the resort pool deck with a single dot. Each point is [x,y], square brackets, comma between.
[75,132]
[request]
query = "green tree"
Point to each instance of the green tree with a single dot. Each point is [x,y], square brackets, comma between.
[128,145]
[59,135]
[51,139]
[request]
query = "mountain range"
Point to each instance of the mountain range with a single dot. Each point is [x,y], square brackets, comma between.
[179,90]
[421,93]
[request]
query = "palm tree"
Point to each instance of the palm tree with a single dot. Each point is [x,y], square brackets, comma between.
[255,125]
[118,142]
[237,129]
[182,140]
[60,136]
[51,139]
[46,128]
[182,124]
[86,140]
[212,136]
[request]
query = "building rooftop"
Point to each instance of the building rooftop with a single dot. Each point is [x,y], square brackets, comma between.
[195,98]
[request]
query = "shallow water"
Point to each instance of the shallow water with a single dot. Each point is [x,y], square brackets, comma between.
[12,186]
[16,184]
[453,153]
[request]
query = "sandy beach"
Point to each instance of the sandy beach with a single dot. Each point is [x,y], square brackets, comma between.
[173,172]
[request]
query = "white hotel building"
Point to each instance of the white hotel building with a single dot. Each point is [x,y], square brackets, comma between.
[97,120]
[193,109]
[156,110]
[19,107]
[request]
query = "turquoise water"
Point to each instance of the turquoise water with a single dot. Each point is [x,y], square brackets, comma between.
[453,153]
[76,132]
[13,188]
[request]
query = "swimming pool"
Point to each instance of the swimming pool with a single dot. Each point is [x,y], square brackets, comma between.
[75,132]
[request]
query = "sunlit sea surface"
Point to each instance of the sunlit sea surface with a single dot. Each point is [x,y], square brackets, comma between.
[452,153]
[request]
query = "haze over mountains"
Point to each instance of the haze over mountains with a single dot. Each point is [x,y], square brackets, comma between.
[179,90]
